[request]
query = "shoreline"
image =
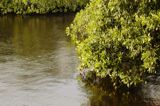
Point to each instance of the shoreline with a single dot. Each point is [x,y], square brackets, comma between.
[41,7]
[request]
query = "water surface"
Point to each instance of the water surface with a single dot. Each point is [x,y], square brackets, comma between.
[38,62]
[38,67]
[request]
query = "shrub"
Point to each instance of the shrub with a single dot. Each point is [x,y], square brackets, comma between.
[40,6]
[118,39]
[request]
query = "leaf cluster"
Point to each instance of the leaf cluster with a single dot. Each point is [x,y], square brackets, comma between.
[40,6]
[118,39]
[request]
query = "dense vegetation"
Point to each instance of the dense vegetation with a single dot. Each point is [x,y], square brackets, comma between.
[118,40]
[40,6]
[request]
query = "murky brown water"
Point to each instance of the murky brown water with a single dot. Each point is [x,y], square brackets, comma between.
[38,66]
[37,62]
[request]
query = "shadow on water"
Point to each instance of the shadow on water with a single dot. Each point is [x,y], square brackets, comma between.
[143,95]
[38,68]
[99,97]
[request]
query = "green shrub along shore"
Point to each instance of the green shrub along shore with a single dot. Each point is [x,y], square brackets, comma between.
[40,6]
[118,41]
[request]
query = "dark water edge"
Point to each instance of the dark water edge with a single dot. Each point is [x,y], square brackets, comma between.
[45,15]
[38,68]
[146,95]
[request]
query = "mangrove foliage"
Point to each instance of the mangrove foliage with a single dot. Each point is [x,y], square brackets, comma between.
[40,6]
[118,40]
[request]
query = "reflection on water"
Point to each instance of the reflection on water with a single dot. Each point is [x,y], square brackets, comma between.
[38,66]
